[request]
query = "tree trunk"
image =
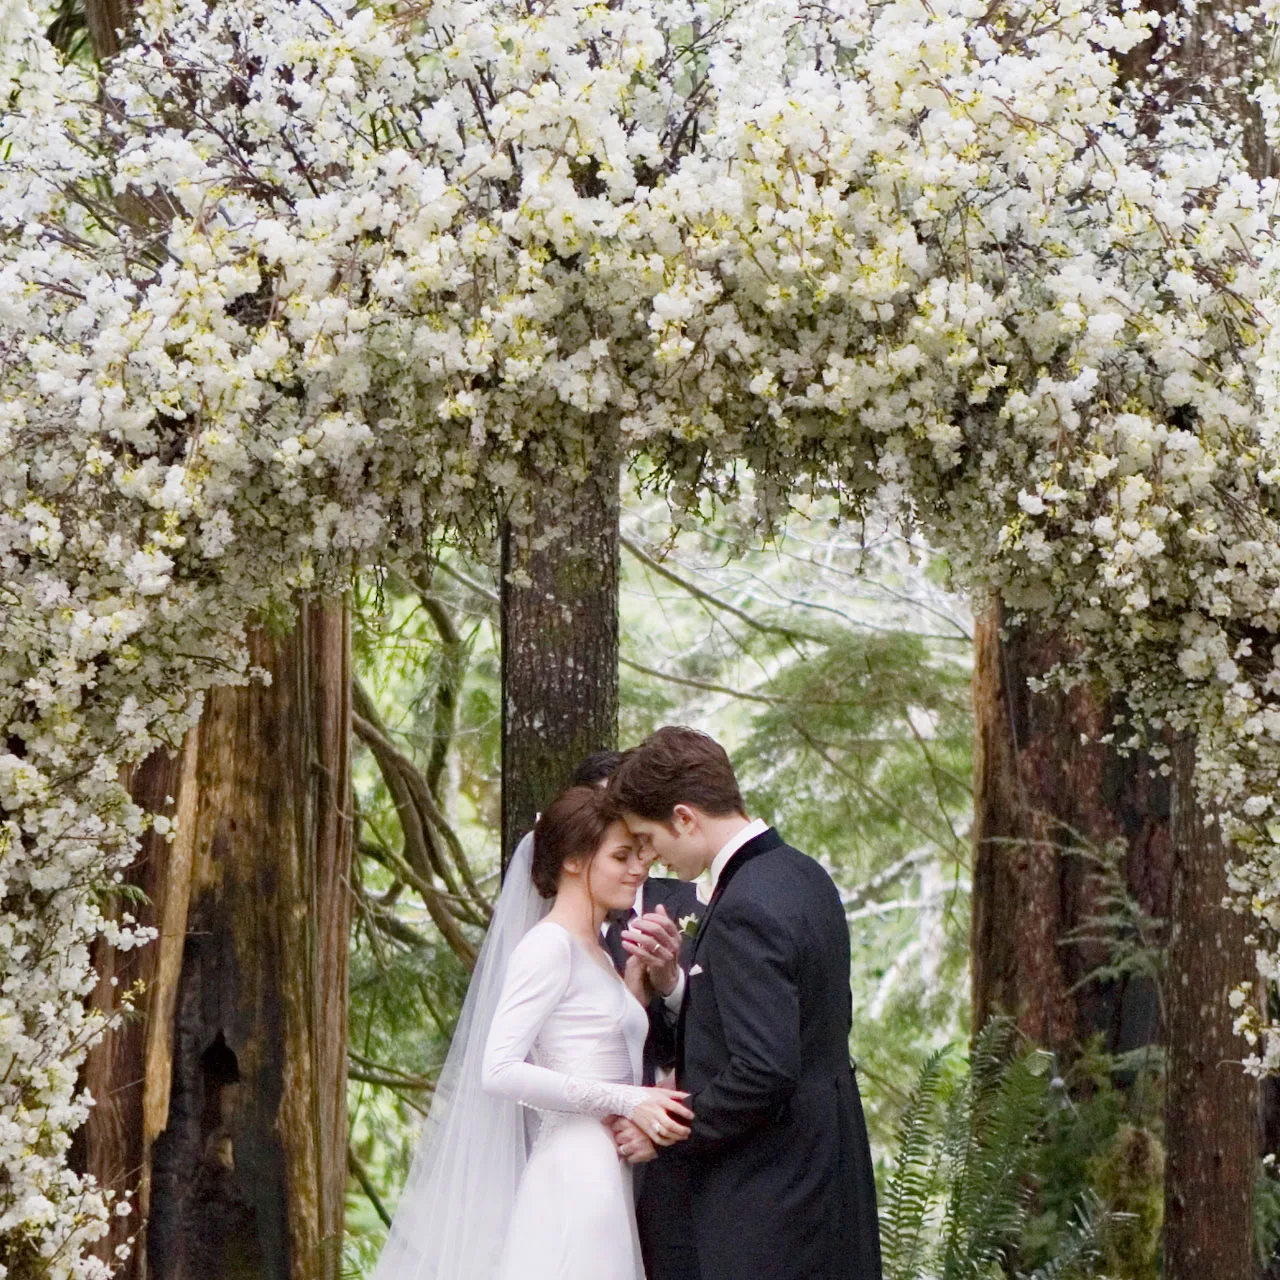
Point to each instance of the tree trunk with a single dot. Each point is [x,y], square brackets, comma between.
[127,1073]
[226,1104]
[1211,1105]
[1040,791]
[105,20]
[559,612]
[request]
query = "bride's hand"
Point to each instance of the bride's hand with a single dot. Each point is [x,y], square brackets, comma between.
[632,1142]
[663,1116]
[636,976]
[654,939]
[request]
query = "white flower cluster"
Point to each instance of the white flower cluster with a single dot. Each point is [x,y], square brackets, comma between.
[294,283]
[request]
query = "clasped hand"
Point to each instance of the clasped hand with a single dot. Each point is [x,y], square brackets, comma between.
[652,943]
[661,1120]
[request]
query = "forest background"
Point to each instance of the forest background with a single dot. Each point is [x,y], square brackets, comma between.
[843,695]
[838,668]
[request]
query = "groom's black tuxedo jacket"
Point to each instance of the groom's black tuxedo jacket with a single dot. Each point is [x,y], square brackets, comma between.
[780,1169]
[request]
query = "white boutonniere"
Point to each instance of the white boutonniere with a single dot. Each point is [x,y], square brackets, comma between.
[688,925]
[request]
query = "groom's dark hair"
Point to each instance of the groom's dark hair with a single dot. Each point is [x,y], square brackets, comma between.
[675,766]
[596,768]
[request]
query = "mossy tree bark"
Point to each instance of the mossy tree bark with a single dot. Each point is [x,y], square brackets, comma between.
[1043,780]
[1048,792]
[225,1105]
[559,611]
[1211,1104]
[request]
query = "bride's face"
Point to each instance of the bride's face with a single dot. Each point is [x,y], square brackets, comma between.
[617,869]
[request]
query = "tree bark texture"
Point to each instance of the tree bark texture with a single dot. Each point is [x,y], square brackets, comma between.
[127,1073]
[227,1100]
[1211,1105]
[105,20]
[559,610]
[1039,790]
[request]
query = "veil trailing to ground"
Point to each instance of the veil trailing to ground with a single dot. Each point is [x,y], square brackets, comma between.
[456,1206]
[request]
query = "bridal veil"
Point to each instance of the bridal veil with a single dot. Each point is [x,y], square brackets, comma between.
[453,1214]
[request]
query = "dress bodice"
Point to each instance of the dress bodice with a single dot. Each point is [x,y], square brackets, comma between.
[567,1035]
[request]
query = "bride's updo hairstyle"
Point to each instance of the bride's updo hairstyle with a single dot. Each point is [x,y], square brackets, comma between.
[571,826]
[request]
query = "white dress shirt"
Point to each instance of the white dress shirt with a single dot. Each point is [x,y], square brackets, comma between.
[731,846]
[757,827]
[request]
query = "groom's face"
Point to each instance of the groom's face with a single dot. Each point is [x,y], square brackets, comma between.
[677,844]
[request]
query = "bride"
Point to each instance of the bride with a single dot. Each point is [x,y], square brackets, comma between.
[548,1030]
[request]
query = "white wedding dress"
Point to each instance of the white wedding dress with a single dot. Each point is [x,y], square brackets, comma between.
[514,1177]
[566,1042]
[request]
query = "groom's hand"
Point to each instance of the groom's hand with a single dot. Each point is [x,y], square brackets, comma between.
[632,1142]
[654,940]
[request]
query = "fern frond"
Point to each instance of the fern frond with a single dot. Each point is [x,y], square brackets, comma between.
[993,1139]
[912,1188]
[1081,1246]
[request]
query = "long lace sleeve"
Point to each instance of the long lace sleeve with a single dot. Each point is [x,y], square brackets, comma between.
[536,980]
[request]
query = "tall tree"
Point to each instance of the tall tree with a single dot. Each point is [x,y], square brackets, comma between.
[1049,795]
[559,619]
[1211,1105]
[235,1134]
[222,1110]
[1045,780]
[1033,773]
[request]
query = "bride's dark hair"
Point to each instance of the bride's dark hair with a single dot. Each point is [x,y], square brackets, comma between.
[573,824]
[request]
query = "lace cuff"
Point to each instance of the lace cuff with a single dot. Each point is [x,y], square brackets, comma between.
[599,1098]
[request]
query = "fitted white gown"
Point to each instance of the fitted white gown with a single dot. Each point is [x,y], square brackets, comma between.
[567,1042]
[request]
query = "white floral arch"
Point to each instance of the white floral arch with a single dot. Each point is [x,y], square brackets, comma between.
[298,282]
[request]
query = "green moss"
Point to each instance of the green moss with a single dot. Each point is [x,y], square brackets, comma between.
[1129,1177]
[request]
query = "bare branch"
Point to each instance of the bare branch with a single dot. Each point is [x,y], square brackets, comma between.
[855,898]
[361,1175]
[706,686]
[453,667]
[706,597]
[420,817]
[400,1077]
[386,920]
[479,588]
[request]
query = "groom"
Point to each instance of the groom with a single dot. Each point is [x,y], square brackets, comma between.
[780,1169]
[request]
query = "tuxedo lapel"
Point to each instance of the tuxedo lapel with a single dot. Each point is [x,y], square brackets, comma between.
[765,842]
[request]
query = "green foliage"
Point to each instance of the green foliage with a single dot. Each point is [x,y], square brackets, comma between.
[960,1192]
[1266,1213]
[1077,1248]
[68,30]
[1103,1137]
[1129,1176]
[910,1193]
[359,1253]
[1131,937]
